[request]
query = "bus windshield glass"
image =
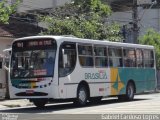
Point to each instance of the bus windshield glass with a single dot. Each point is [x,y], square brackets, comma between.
[33,58]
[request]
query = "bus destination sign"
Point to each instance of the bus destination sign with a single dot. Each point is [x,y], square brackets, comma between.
[29,44]
[39,43]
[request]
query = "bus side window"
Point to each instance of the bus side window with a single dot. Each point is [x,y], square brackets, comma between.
[115,57]
[85,55]
[129,57]
[67,59]
[101,57]
[148,58]
[139,57]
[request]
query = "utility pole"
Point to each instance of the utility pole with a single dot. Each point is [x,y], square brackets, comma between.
[135,17]
[135,22]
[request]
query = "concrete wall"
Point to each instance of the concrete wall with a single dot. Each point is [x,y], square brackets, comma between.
[149,18]
[62,2]
[26,5]
[34,5]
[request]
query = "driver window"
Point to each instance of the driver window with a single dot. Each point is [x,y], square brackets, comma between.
[67,59]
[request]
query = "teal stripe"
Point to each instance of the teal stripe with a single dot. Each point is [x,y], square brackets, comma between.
[144,78]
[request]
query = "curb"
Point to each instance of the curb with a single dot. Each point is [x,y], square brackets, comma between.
[15,103]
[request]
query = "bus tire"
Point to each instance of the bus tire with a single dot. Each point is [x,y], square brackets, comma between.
[130,91]
[82,96]
[39,103]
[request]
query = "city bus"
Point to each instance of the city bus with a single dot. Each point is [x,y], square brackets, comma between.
[48,68]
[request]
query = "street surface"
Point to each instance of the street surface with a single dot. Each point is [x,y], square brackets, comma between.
[143,104]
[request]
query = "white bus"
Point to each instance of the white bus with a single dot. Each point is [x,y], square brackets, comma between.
[45,68]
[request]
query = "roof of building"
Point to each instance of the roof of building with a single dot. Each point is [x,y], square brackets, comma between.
[4,32]
[17,28]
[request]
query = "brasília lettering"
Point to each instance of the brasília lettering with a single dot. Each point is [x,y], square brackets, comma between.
[99,75]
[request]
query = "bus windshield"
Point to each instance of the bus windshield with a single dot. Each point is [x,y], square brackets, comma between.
[33,62]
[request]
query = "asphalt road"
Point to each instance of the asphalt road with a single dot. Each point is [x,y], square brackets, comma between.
[142,104]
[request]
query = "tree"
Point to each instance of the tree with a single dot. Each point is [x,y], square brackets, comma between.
[6,10]
[152,38]
[84,19]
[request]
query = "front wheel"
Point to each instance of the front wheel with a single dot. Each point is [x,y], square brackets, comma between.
[82,96]
[40,103]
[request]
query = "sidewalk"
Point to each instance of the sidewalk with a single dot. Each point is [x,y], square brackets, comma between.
[14,103]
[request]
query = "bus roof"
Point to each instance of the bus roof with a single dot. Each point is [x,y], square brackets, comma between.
[8,49]
[89,41]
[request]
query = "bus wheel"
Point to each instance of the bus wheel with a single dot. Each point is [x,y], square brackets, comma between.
[95,99]
[40,103]
[130,91]
[82,96]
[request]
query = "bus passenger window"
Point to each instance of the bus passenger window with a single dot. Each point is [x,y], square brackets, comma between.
[85,55]
[148,58]
[129,57]
[139,57]
[115,57]
[101,59]
[67,59]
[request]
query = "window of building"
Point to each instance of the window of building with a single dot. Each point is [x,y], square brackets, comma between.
[85,55]
[148,58]
[129,57]
[115,57]
[101,59]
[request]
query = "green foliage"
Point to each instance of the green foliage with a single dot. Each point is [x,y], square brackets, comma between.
[6,10]
[84,19]
[93,5]
[152,38]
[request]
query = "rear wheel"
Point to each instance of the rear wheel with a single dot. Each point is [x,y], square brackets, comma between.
[130,91]
[40,103]
[82,96]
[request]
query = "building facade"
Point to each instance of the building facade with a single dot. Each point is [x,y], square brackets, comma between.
[29,5]
[147,18]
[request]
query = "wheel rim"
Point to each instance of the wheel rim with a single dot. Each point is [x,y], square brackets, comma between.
[82,96]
